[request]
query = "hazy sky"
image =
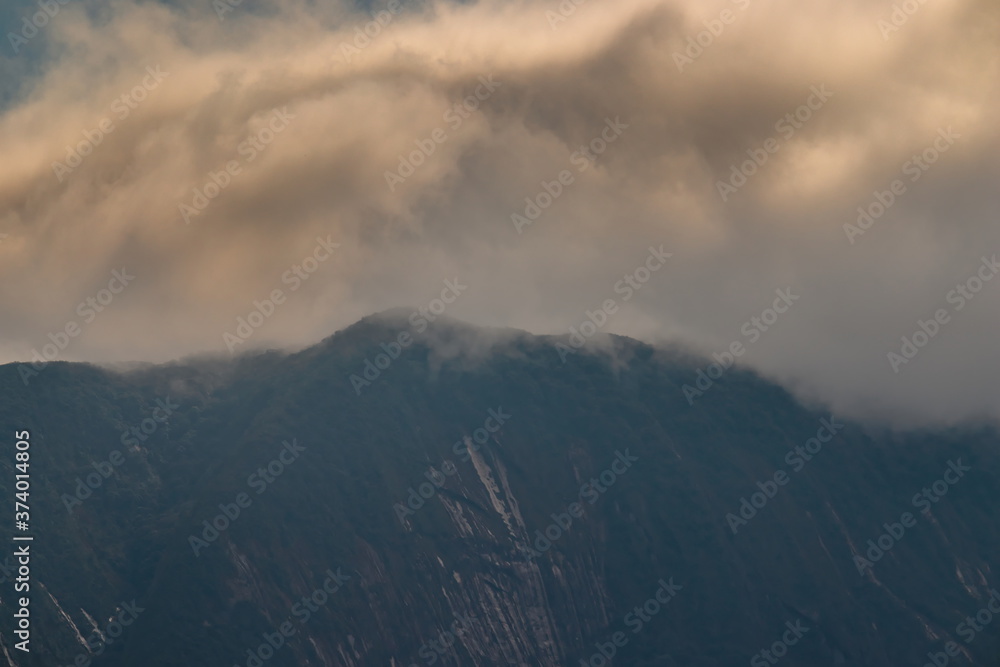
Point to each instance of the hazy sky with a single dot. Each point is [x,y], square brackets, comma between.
[835,99]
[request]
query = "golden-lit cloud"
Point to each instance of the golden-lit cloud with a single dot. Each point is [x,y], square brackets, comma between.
[294,121]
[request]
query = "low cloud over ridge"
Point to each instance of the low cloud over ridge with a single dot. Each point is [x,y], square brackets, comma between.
[296,131]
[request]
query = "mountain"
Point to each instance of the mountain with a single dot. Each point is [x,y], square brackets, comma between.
[383,498]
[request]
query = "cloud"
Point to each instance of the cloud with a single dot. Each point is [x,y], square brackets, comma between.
[355,114]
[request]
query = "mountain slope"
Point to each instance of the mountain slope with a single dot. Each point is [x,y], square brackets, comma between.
[503,438]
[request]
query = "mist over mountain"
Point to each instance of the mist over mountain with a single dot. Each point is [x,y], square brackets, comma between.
[472,333]
[357,155]
[466,496]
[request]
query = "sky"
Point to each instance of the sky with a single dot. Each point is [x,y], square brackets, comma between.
[830,168]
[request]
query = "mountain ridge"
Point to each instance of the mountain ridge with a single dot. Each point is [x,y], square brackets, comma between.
[430,425]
